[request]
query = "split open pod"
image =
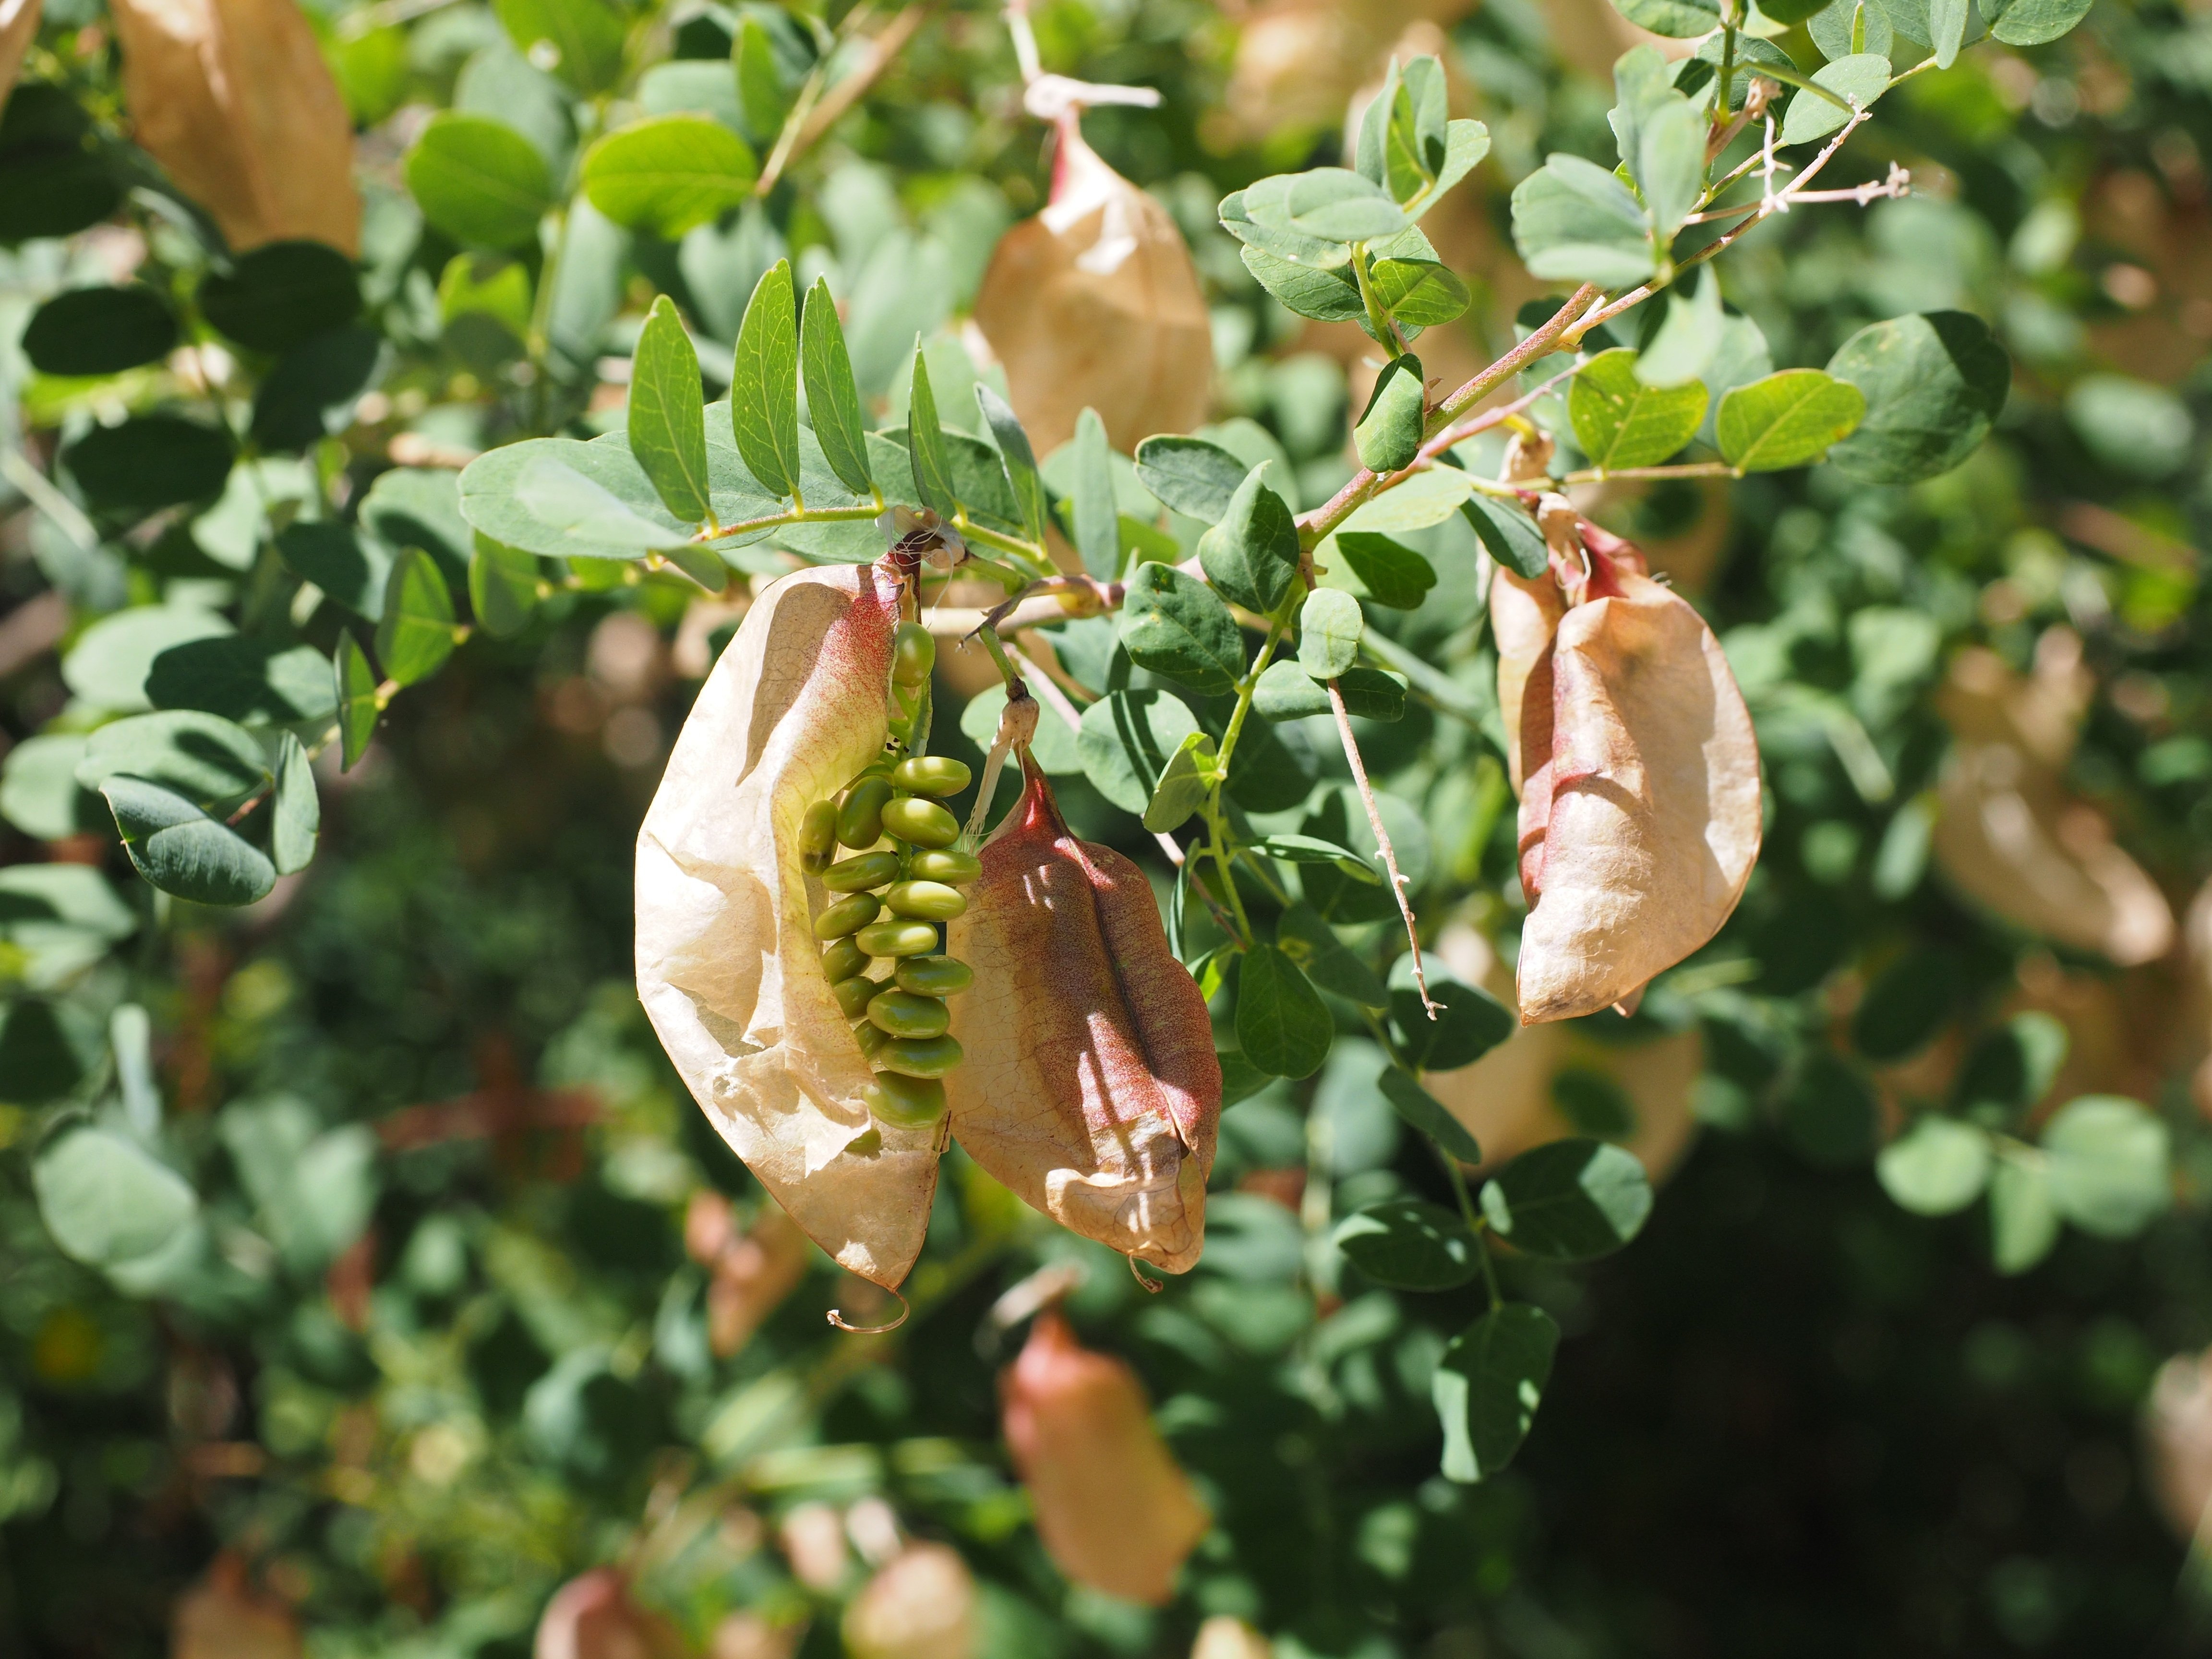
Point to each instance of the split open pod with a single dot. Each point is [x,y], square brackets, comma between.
[729,963]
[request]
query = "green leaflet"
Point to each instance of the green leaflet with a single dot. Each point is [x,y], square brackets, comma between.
[668,412]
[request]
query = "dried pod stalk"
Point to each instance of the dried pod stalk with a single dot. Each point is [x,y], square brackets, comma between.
[234,99]
[1640,813]
[2010,836]
[728,965]
[19,26]
[1114,1508]
[1091,1088]
[1095,301]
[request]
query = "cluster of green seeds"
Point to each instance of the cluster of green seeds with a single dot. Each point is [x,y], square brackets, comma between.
[898,880]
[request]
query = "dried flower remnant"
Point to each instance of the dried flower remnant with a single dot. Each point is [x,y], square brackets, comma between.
[234,99]
[19,26]
[2011,836]
[729,960]
[225,1617]
[920,1605]
[1095,302]
[1640,811]
[1114,1511]
[593,1617]
[1091,1087]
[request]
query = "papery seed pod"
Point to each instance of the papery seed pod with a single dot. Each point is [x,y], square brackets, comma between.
[224,1617]
[744,1635]
[1114,1508]
[1224,1638]
[234,99]
[19,26]
[2177,1437]
[728,965]
[752,1276]
[1519,1095]
[1095,301]
[1640,817]
[593,1617]
[813,1539]
[2009,834]
[1091,1088]
[920,1605]
[1524,615]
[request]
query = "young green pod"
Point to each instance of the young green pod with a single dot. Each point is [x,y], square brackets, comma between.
[931,774]
[913,654]
[861,872]
[947,864]
[727,963]
[818,836]
[1091,1088]
[920,823]
[933,977]
[905,1014]
[929,901]
[937,1056]
[910,1102]
[899,939]
[849,914]
[861,819]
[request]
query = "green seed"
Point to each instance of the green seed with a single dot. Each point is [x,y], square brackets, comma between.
[906,1102]
[921,823]
[919,1056]
[848,915]
[860,871]
[906,1015]
[946,865]
[931,774]
[842,960]
[896,938]
[914,654]
[933,977]
[860,820]
[818,836]
[854,995]
[931,900]
[872,1038]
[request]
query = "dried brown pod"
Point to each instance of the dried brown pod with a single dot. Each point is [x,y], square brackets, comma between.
[1514,1098]
[2177,1437]
[1091,1088]
[727,963]
[2009,834]
[1524,615]
[594,1616]
[1299,62]
[920,1605]
[1114,1508]
[1095,302]
[224,1617]
[752,1275]
[234,99]
[19,26]
[1640,808]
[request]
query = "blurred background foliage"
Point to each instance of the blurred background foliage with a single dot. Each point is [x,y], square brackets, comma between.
[452,1338]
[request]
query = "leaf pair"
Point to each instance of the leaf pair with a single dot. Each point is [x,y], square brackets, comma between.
[727,963]
[1638,775]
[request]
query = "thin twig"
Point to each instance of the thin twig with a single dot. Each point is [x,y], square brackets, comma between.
[1382,839]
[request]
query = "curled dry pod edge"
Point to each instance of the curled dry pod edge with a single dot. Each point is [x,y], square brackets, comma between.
[727,963]
[1114,1510]
[1095,301]
[234,99]
[19,26]
[1640,816]
[1090,1087]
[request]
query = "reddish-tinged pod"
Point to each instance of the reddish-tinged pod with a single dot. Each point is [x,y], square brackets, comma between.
[592,1617]
[1114,1508]
[728,963]
[1090,1087]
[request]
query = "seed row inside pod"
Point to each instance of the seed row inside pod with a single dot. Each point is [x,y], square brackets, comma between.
[885,899]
